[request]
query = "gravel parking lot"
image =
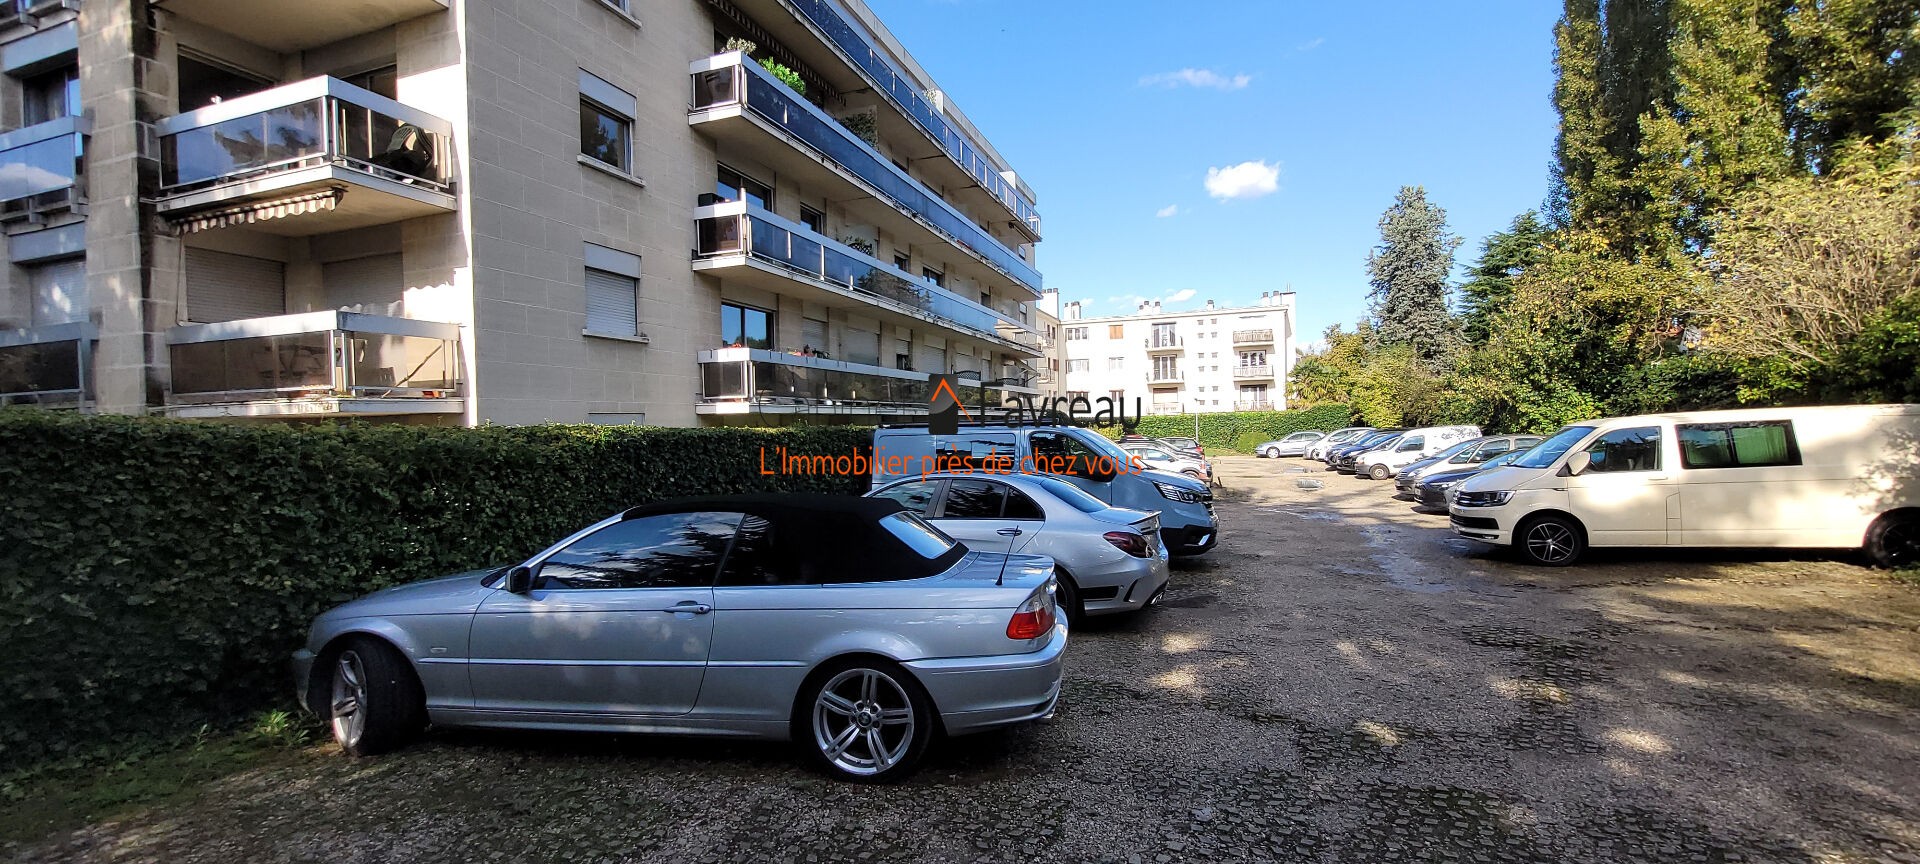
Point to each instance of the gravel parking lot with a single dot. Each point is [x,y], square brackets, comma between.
[1342,680]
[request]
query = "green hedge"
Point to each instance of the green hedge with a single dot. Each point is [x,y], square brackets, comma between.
[156,574]
[1225,430]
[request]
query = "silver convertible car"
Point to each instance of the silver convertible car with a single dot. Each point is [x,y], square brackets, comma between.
[847,625]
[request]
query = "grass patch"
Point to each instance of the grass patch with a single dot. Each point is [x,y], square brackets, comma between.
[60,795]
[1907,576]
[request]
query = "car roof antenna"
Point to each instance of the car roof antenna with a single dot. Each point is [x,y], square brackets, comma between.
[1002,578]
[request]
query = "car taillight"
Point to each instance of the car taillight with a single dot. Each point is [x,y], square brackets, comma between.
[1034,618]
[1128,542]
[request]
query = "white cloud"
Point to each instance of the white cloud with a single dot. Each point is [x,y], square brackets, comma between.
[1245,180]
[1181,296]
[1169,210]
[1311,44]
[1197,78]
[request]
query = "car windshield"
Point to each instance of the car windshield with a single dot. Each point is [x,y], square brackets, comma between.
[923,538]
[1544,453]
[1099,444]
[1507,458]
[1072,494]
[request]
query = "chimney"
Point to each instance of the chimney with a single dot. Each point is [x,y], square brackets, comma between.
[1209,305]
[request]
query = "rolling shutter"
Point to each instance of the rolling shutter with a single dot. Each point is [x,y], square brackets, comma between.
[861,346]
[813,334]
[226,287]
[930,359]
[373,283]
[612,303]
[59,292]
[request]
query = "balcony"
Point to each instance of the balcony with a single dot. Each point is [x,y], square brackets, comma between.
[289,26]
[764,250]
[736,101]
[758,381]
[1252,373]
[1164,409]
[312,157]
[1163,343]
[922,115]
[40,167]
[317,363]
[1253,406]
[1253,337]
[1164,376]
[47,365]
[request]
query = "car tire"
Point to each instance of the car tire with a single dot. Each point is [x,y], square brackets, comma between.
[1270,453]
[1550,540]
[1380,472]
[1192,473]
[1067,597]
[375,702]
[1893,541]
[873,697]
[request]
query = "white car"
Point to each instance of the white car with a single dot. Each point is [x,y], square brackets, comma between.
[1412,446]
[1336,438]
[1107,559]
[1162,459]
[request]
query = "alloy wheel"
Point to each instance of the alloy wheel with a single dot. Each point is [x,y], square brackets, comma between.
[863,721]
[349,713]
[1551,542]
[1902,544]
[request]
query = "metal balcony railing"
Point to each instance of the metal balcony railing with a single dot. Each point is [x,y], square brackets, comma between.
[1253,337]
[771,379]
[312,355]
[1253,406]
[1260,371]
[1164,376]
[1164,342]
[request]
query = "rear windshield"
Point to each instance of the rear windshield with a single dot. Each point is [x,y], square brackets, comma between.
[921,537]
[1072,494]
[1546,452]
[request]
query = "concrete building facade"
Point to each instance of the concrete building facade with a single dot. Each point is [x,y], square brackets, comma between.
[468,211]
[1198,361]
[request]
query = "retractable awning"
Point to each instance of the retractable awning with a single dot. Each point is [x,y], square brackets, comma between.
[258,211]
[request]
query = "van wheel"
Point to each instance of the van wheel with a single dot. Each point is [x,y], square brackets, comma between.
[1894,540]
[1379,472]
[1550,541]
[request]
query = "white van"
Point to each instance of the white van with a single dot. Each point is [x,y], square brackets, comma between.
[1823,477]
[1413,446]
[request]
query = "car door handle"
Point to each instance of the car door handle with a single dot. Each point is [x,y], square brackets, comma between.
[1008,532]
[689,606]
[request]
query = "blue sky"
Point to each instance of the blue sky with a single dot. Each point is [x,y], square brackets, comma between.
[1114,112]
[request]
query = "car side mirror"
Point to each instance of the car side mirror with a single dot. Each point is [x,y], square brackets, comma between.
[1578,463]
[520,579]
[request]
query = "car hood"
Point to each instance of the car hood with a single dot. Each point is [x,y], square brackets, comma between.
[1173,478]
[1448,476]
[460,592]
[1500,479]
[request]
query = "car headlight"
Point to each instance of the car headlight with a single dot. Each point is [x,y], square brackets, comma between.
[1175,493]
[1482,499]
[1444,484]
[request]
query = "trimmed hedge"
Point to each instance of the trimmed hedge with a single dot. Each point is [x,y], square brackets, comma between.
[1226,430]
[156,574]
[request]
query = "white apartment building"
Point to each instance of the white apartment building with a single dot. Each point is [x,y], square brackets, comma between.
[1208,359]
[512,211]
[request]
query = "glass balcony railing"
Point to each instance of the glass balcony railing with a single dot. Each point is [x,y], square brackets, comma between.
[41,158]
[732,80]
[1164,376]
[733,228]
[1252,405]
[45,363]
[911,102]
[308,124]
[767,378]
[315,354]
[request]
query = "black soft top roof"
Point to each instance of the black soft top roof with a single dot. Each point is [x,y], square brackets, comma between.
[817,539]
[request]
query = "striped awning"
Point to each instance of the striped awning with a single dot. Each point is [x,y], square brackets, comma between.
[256,211]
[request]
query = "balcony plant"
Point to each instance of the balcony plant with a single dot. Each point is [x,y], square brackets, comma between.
[862,245]
[861,125]
[786,76]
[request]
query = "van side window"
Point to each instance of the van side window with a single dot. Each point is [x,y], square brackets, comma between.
[1057,453]
[1751,444]
[1636,449]
[1408,445]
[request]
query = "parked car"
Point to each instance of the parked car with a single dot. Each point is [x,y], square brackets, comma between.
[1176,445]
[1342,459]
[1106,559]
[1190,445]
[1074,454]
[1818,477]
[847,625]
[1292,445]
[1463,454]
[1435,490]
[1162,459]
[1412,446]
[1337,438]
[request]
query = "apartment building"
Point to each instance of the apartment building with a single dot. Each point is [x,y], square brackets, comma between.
[467,211]
[1208,359]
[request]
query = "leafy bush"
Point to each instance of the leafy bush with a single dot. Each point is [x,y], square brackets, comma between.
[786,76]
[1223,430]
[157,573]
[1247,442]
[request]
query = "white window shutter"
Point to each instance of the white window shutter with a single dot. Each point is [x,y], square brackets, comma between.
[612,303]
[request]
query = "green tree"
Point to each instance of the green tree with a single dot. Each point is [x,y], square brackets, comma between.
[1504,255]
[1408,272]
[1855,67]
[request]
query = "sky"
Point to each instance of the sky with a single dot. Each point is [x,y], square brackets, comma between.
[1189,151]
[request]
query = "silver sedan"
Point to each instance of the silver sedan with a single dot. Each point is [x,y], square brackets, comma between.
[1107,559]
[845,624]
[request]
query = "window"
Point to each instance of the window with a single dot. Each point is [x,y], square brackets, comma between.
[1411,445]
[1076,334]
[916,495]
[1072,494]
[934,276]
[1166,368]
[1163,336]
[1552,448]
[59,291]
[672,550]
[1636,449]
[1116,331]
[1751,444]
[902,263]
[732,185]
[1076,366]
[1115,364]
[606,122]
[384,81]
[815,220]
[1250,359]
[51,96]
[986,299]
[973,499]
[1060,453]
[752,560]
[1117,396]
[917,534]
[203,82]
[1492,448]
[1019,506]
[745,326]
[613,291]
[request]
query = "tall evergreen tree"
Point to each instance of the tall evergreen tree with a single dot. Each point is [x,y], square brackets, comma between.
[1504,255]
[1408,271]
[1857,64]
[1576,98]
